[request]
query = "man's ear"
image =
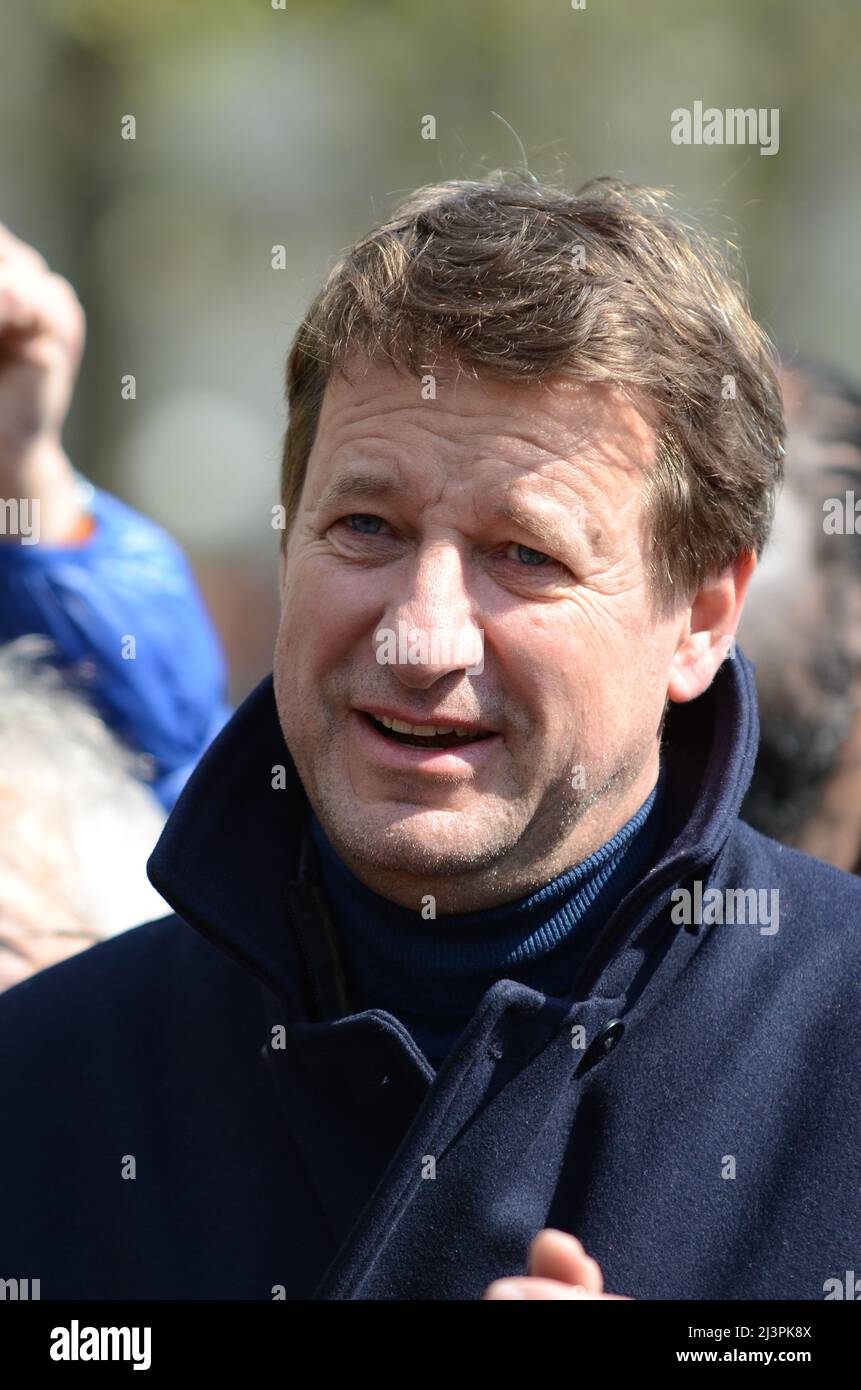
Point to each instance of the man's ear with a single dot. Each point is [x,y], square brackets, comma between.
[708,631]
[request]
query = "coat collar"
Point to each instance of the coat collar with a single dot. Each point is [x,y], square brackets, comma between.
[235,859]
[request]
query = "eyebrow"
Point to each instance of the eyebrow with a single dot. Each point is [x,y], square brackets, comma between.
[542,528]
[361,486]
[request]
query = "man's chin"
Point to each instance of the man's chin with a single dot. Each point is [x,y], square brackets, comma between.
[412,840]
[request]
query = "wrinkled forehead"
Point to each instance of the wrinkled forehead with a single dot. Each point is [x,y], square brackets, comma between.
[441,422]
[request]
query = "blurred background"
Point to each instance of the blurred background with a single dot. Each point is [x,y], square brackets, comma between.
[258,126]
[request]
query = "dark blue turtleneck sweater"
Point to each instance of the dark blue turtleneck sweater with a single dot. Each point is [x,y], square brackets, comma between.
[432,973]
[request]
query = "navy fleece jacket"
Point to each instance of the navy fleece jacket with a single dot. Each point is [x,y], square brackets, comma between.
[689,1108]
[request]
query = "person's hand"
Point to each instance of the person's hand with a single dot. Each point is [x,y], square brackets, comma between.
[42,330]
[558,1268]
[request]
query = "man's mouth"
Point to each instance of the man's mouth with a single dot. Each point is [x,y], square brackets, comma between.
[442,736]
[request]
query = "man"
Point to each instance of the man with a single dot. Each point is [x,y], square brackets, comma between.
[76,825]
[806,787]
[474,967]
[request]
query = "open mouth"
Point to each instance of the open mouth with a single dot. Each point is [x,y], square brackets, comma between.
[449,740]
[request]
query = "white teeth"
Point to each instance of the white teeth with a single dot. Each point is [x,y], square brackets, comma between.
[424,730]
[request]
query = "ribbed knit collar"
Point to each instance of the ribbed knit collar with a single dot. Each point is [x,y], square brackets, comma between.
[432,972]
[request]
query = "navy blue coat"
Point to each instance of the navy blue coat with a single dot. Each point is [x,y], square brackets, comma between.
[701,1136]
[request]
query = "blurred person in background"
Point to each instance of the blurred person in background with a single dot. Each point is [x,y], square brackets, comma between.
[114,602]
[112,590]
[801,626]
[76,822]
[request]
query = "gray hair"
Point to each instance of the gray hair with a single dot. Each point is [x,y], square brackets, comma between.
[76,822]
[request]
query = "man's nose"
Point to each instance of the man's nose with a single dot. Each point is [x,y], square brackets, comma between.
[431,630]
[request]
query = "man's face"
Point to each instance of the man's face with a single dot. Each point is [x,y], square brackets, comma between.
[575,664]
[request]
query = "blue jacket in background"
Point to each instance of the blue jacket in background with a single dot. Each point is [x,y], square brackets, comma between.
[690,1110]
[130,579]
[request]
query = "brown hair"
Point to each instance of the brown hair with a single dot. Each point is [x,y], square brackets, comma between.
[509,278]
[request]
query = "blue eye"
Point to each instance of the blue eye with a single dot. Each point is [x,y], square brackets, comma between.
[525,550]
[362,516]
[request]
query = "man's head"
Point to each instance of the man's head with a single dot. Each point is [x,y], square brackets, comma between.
[802,627]
[76,821]
[539,424]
